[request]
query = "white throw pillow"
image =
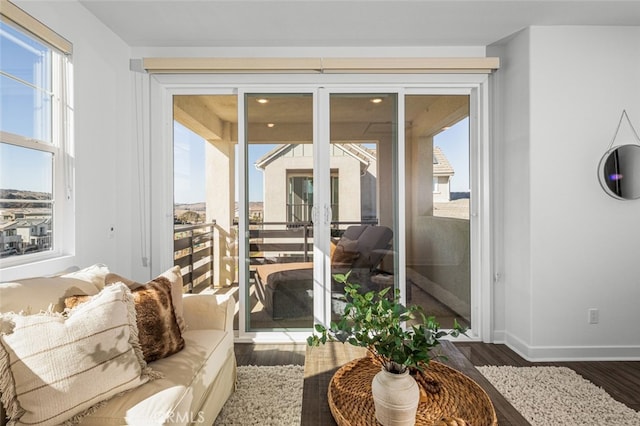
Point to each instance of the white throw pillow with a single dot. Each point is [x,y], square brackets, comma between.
[33,295]
[54,369]
[94,274]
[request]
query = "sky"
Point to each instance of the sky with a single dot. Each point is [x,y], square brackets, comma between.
[189,167]
[454,143]
[189,163]
[22,168]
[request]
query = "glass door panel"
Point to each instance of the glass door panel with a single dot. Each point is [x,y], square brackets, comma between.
[437,206]
[363,146]
[205,224]
[280,188]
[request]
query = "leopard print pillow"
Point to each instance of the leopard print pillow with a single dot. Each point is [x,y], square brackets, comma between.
[158,329]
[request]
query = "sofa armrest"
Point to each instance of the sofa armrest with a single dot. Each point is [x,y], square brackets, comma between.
[208,311]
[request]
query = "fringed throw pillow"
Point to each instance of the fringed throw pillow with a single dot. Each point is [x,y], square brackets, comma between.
[55,369]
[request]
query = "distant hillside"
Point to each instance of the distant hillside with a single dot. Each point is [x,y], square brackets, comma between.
[200,207]
[18,195]
[194,207]
[15,194]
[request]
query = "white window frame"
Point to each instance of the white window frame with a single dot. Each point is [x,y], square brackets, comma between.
[61,146]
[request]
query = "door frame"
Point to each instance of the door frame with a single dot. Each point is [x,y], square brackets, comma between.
[162,88]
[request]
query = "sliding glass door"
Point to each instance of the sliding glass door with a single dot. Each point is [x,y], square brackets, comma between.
[363,135]
[321,199]
[280,163]
[277,189]
[437,209]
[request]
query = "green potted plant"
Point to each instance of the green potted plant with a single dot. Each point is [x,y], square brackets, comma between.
[400,338]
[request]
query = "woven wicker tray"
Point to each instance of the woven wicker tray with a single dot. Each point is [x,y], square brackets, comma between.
[448,396]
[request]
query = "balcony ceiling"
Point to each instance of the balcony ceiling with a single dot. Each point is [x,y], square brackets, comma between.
[354,118]
[348,23]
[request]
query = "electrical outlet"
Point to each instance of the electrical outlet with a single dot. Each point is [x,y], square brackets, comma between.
[594,315]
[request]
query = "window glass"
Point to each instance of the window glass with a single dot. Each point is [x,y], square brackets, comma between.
[25,84]
[29,153]
[26,194]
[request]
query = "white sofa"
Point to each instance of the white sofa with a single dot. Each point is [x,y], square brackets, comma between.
[197,380]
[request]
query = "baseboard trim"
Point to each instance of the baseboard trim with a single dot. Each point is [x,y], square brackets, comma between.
[572,353]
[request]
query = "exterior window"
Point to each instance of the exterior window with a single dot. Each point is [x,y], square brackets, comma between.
[435,185]
[32,176]
[300,198]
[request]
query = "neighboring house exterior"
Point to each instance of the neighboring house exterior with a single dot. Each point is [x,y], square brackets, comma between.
[288,183]
[442,174]
[26,234]
[9,238]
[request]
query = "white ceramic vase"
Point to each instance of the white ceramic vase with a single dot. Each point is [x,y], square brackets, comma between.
[396,398]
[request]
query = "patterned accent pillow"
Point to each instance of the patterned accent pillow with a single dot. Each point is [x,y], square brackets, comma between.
[55,369]
[158,329]
[175,278]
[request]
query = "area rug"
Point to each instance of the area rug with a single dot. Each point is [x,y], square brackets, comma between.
[558,396]
[265,395]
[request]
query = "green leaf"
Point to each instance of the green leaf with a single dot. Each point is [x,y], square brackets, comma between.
[376,321]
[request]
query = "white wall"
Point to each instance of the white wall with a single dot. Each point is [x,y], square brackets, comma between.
[568,246]
[105,175]
[511,148]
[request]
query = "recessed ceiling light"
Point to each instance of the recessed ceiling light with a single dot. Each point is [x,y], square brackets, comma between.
[376,100]
[262,100]
[270,125]
[446,128]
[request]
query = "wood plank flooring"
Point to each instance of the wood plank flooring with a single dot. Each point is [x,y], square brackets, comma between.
[267,354]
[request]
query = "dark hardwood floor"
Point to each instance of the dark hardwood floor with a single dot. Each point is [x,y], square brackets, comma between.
[268,354]
[620,379]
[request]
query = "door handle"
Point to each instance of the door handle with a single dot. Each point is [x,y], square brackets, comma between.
[328,213]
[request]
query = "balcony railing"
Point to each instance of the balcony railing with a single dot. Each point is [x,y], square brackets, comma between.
[193,252]
[268,242]
[289,241]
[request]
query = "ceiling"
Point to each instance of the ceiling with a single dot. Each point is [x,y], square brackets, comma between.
[289,118]
[349,23]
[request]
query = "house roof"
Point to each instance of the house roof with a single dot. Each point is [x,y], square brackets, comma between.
[276,152]
[441,165]
[23,223]
[357,151]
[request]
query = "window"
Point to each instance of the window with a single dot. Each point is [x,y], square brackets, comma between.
[300,198]
[33,140]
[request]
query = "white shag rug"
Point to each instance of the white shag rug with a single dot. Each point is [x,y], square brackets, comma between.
[265,395]
[558,396]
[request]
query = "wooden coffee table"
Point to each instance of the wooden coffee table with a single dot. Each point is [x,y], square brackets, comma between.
[322,362]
